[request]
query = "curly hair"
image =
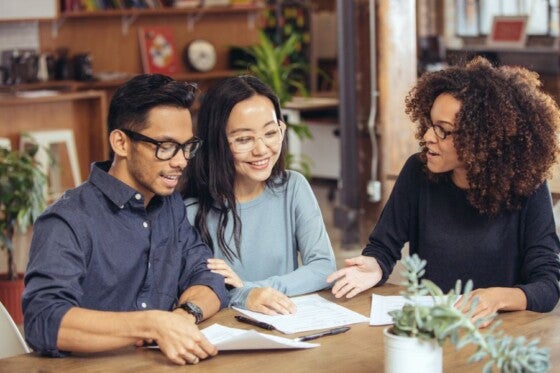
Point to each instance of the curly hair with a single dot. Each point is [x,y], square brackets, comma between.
[506,135]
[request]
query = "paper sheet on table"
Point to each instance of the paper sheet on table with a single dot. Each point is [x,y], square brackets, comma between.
[227,339]
[381,305]
[313,312]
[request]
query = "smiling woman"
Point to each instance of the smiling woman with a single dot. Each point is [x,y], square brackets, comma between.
[260,220]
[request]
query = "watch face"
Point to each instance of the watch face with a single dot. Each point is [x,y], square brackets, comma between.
[201,55]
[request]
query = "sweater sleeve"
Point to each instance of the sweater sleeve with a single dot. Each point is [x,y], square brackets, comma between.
[540,267]
[392,229]
[313,245]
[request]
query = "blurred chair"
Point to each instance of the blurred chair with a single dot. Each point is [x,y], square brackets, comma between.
[11,342]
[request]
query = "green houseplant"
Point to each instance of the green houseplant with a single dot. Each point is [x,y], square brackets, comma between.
[22,199]
[444,321]
[271,64]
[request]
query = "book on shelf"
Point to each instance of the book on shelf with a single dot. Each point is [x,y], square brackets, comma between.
[186,3]
[158,50]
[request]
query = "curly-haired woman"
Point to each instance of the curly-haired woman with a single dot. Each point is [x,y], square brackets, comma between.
[474,202]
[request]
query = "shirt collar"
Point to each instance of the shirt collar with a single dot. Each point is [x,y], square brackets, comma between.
[115,190]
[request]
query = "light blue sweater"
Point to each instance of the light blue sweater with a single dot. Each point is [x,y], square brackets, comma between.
[276,226]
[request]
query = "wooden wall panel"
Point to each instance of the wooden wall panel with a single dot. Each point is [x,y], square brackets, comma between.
[396,33]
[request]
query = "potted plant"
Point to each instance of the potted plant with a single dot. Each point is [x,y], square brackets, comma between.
[22,200]
[271,64]
[431,325]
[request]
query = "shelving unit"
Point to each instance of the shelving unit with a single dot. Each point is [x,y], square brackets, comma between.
[110,37]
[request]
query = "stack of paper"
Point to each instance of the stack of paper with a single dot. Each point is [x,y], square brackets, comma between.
[312,313]
[226,339]
[381,306]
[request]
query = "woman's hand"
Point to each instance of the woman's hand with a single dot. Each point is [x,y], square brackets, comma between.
[492,300]
[360,273]
[220,267]
[270,302]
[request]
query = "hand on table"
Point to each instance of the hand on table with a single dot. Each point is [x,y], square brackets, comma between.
[220,267]
[269,301]
[360,273]
[492,300]
[180,339]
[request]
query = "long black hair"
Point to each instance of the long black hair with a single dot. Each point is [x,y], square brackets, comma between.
[210,176]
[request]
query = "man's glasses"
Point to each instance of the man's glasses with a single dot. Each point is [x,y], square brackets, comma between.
[440,132]
[245,143]
[165,150]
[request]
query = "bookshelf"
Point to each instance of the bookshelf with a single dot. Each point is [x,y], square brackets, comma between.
[82,105]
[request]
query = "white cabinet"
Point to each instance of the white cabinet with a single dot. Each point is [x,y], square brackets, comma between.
[323,150]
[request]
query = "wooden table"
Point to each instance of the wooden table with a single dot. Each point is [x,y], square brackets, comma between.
[358,350]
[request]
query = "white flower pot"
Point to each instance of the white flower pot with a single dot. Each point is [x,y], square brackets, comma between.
[405,354]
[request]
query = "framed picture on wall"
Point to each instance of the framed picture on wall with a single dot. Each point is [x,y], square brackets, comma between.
[508,32]
[158,50]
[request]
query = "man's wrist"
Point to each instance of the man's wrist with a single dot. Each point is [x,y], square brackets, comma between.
[191,309]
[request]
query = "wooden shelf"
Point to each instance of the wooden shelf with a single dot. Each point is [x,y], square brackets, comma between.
[74,85]
[161,11]
[82,112]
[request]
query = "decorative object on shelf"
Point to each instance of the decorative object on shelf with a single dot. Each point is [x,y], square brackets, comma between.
[508,32]
[215,2]
[158,50]
[200,55]
[21,202]
[186,3]
[441,321]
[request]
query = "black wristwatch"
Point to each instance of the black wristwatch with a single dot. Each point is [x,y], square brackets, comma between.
[193,309]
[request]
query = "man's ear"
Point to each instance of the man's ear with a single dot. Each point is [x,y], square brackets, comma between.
[119,143]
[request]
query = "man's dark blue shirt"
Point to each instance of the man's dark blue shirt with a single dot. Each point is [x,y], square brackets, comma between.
[99,248]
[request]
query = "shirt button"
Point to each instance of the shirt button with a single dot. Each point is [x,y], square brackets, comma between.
[138,196]
[121,207]
[144,305]
[145,224]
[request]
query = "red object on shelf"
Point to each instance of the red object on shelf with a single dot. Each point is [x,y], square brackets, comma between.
[158,50]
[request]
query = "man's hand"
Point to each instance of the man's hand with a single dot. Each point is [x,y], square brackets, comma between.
[269,301]
[360,273]
[179,338]
[220,267]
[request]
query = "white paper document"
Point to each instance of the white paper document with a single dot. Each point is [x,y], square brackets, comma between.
[312,312]
[381,305]
[228,339]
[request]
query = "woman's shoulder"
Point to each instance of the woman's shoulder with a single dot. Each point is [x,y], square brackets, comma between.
[191,201]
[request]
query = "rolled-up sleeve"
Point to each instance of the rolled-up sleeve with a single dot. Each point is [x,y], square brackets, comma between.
[52,279]
[195,270]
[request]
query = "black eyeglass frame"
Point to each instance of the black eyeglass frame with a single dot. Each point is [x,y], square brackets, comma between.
[189,147]
[440,131]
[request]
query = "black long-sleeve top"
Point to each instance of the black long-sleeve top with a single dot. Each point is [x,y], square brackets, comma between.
[514,249]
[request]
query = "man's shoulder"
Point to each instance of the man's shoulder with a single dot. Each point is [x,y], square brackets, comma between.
[72,199]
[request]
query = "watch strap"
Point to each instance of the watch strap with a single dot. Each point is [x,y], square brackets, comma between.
[193,309]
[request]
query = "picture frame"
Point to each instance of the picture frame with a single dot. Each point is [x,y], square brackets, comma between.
[508,32]
[158,50]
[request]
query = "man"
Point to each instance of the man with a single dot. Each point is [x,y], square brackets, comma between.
[112,257]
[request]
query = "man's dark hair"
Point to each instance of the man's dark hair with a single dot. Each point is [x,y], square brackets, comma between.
[133,101]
